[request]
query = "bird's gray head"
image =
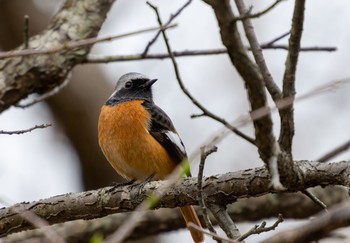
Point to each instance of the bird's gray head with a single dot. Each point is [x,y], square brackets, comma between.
[132,86]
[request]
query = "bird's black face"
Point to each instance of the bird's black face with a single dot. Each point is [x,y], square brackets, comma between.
[132,86]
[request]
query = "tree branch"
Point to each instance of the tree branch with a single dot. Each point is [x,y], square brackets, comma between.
[21,76]
[258,14]
[18,132]
[258,55]
[336,151]
[319,227]
[291,205]
[172,17]
[188,53]
[220,190]
[287,115]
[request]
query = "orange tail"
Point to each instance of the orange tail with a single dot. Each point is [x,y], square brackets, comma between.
[191,216]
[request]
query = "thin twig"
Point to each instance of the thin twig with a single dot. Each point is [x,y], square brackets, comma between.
[18,132]
[214,235]
[257,229]
[315,199]
[258,14]
[189,95]
[26,32]
[172,17]
[274,40]
[77,44]
[336,151]
[186,53]
[204,154]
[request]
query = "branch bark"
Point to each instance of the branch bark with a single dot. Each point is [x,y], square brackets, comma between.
[22,76]
[220,190]
[290,205]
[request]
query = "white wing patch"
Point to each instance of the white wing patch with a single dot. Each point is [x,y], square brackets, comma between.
[175,139]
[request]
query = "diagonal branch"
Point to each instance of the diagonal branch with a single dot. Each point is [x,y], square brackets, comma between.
[336,151]
[189,95]
[257,52]
[258,14]
[172,17]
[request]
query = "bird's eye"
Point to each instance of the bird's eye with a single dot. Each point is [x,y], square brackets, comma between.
[128,85]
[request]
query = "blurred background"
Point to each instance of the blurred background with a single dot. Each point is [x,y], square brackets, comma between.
[66,157]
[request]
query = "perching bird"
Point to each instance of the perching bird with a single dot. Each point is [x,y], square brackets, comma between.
[139,139]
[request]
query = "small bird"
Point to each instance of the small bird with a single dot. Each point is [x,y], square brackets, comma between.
[138,138]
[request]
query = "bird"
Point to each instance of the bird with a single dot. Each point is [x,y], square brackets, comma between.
[139,139]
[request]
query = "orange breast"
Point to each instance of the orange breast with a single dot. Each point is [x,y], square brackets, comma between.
[128,146]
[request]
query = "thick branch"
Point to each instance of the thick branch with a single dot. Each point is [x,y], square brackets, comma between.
[21,76]
[220,189]
[291,205]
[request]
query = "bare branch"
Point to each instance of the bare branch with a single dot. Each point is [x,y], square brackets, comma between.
[258,55]
[204,154]
[303,49]
[338,150]
[172,17]
[274,40]
[242,120]
[188,94]
[224,220]
[215,236]
[315,199]
[291,205]
[220,189]
[39,223]
[21,76]
[78,44]
[287,115]
[273,89]
[258,14]
[319,227]
[18,132]
[258,229]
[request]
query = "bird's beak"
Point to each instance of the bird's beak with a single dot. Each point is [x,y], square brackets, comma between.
[149,83]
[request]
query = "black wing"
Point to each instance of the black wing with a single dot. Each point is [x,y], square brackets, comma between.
[163,130]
